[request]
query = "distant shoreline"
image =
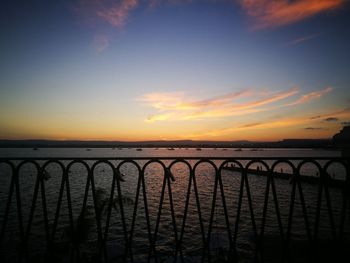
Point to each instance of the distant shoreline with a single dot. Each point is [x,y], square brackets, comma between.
[286,143]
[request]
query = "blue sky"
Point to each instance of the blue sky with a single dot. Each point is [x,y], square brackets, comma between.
[138,69]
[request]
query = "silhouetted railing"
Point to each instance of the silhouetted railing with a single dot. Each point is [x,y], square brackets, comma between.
[181,209]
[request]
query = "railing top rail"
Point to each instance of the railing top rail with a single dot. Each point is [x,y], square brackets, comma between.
[172,158]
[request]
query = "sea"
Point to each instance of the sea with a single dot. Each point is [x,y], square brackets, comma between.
[209,209]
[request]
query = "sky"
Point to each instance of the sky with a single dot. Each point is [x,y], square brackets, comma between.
[174,69]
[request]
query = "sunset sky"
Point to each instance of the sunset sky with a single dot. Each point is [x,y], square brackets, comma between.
[174,69]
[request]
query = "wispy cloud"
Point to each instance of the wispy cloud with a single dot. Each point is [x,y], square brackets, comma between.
[277,123]
[331,119]
[300,40]
[163,100]
[154,3]
[100,42]
[333,114]
[250,125]
[113,12]
[314,128]
[117,12]
[177,100]
[235,129]
[176,106]
[270,14]
[311,96]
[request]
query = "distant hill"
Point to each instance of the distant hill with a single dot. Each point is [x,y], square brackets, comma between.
[287,143]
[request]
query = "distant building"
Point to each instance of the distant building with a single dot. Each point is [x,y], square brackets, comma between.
[342,140]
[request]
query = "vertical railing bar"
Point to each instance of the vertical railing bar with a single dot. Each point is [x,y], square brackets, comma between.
[102,245]
[97,213]
[198,208]
[19,212]
[150,238]
[188,194]
[318,210]
[75,249]
[134,214]
[239,207]
[303,205]
[121,206]
[266,200]
[278,213]
[86,194]
[290,215]
[250,204]
[172,213]
[346,195]
[33,206]
[207,243]
[31,214]
[82,213]
[306,220]
[45,215]
[58,208]
[342,218]
[8,205]
[225,212]
[330,210]
[158,216]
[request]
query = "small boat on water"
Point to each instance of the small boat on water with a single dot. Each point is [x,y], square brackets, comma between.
[138,149]
[35,149]
[199,149]
[171,149]
[88,149]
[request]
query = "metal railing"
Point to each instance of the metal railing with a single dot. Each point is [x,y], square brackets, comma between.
[225,222]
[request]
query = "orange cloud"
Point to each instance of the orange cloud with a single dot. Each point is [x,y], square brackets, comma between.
[302,123]
[272,125]
[311,96]
[239,129]
[271,98]
[163,100]
[159,117]
[174,105]
[270,14]
[176,100]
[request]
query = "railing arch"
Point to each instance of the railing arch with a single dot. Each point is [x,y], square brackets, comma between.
[232,224]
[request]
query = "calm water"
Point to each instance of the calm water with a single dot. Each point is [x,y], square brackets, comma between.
[154,174]
[164,152]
